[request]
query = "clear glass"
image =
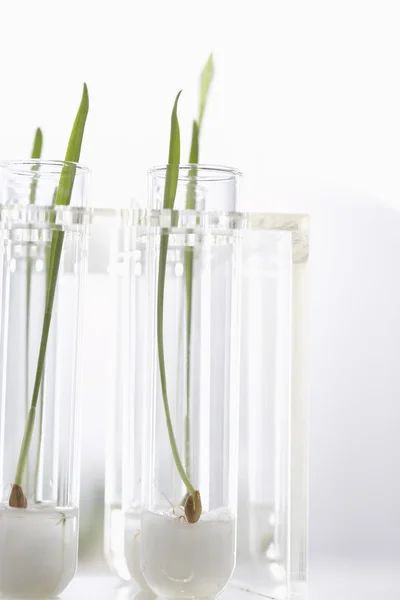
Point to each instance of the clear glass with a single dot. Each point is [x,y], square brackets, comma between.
[123,289]
[38,544]
[134,425]
[204,187]
[272,501]
[272,513]
[125,414]
[200,338]
[36,181]
[126,277]
[299,429]
[178,558]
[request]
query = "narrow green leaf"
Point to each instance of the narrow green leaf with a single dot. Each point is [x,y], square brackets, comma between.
[36,153]
[205,82]
[63,197]
[174,157]
[67,178]
[194,146]
[37,144]
[73,153]
[171,183]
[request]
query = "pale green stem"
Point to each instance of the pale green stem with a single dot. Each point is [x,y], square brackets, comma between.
[205,81]
[41,400]
[40,437]
[188,266]
[36,154]
[27,338]
[26,442]
[56,248]
[161,361]
[188,263]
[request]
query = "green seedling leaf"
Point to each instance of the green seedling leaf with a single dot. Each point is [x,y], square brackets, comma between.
[64,191]
[205,82]
[37,144]
[63,198]
[36,153]
[67,178]
[171,183]
[194,146]
[174,157]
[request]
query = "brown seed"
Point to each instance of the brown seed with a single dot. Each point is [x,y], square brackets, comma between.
[193,507]
[17,497]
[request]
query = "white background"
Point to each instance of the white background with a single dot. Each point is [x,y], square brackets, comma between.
[306,102]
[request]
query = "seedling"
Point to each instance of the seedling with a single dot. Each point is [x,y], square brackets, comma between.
[192,501]
[63,198]
[205,82]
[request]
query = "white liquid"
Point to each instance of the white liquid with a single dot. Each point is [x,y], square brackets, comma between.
[132,548]
[185,560]
[38,551]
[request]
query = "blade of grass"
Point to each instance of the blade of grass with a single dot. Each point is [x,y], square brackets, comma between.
[63,197]
[37,144]
[188,269]
[35,154]
[171,183]
[205,83]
